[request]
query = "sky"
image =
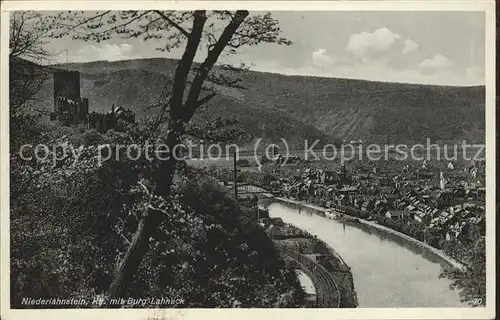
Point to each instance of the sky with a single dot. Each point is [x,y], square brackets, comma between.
[442,48]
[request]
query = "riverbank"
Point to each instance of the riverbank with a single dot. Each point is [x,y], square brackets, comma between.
[331,276]
[429,252]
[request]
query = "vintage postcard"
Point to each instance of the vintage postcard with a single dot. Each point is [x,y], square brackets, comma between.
[307,160]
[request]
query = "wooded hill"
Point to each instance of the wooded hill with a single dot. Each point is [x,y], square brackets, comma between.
[298,107]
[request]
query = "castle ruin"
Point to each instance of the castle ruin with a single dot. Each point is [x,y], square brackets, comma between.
[70,109]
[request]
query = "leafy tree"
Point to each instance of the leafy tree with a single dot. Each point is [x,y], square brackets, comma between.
[472,281]
[186,95]
[74,223]
[28,35]
[62,219]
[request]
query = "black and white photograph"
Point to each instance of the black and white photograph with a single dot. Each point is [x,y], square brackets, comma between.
[193,156]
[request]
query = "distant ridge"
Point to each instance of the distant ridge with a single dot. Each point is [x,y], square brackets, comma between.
[298,107]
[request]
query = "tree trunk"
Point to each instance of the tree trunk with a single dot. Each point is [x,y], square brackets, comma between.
[147,223]
[180,113]
[165,173]
[135,252]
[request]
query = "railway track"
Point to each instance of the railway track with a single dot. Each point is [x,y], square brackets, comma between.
[327,290]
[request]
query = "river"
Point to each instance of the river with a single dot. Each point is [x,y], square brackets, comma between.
[386,273]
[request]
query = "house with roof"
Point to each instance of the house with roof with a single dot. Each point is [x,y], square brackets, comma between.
[459,230]
[434,226]
[384,182]
[348,190]
[421,217]
[481,193]
[330,177]
[395,214]
[477,225]
[368,205]
[434,212]
[401,204]
[330,191]
[446,218]
[410,207]
[282,232]
[458,175]
[423,174]
[410,193]
[341,200]
[380,203]
[272,221]
[443,199]
[389,198]
[361,177]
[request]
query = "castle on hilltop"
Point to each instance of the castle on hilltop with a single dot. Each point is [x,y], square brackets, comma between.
[71,110]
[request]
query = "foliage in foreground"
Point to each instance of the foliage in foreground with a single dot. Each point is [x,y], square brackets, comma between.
[472,281]
[72,223]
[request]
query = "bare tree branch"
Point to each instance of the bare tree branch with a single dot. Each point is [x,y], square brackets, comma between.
[27,33]
[205,99]
[209,62]
[84,22]
[175,25]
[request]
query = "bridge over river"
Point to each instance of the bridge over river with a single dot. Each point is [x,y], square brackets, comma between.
[386,272]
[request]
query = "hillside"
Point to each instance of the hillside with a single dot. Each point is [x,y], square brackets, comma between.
[298,107]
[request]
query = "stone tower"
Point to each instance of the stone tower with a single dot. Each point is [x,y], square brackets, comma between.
[66,84]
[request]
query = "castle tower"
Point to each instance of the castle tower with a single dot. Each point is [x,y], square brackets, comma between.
[69,107]
[66,84]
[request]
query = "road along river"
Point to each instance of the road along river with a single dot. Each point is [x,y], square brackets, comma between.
[387,273]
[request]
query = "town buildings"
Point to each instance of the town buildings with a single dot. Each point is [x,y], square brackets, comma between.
[441,202]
